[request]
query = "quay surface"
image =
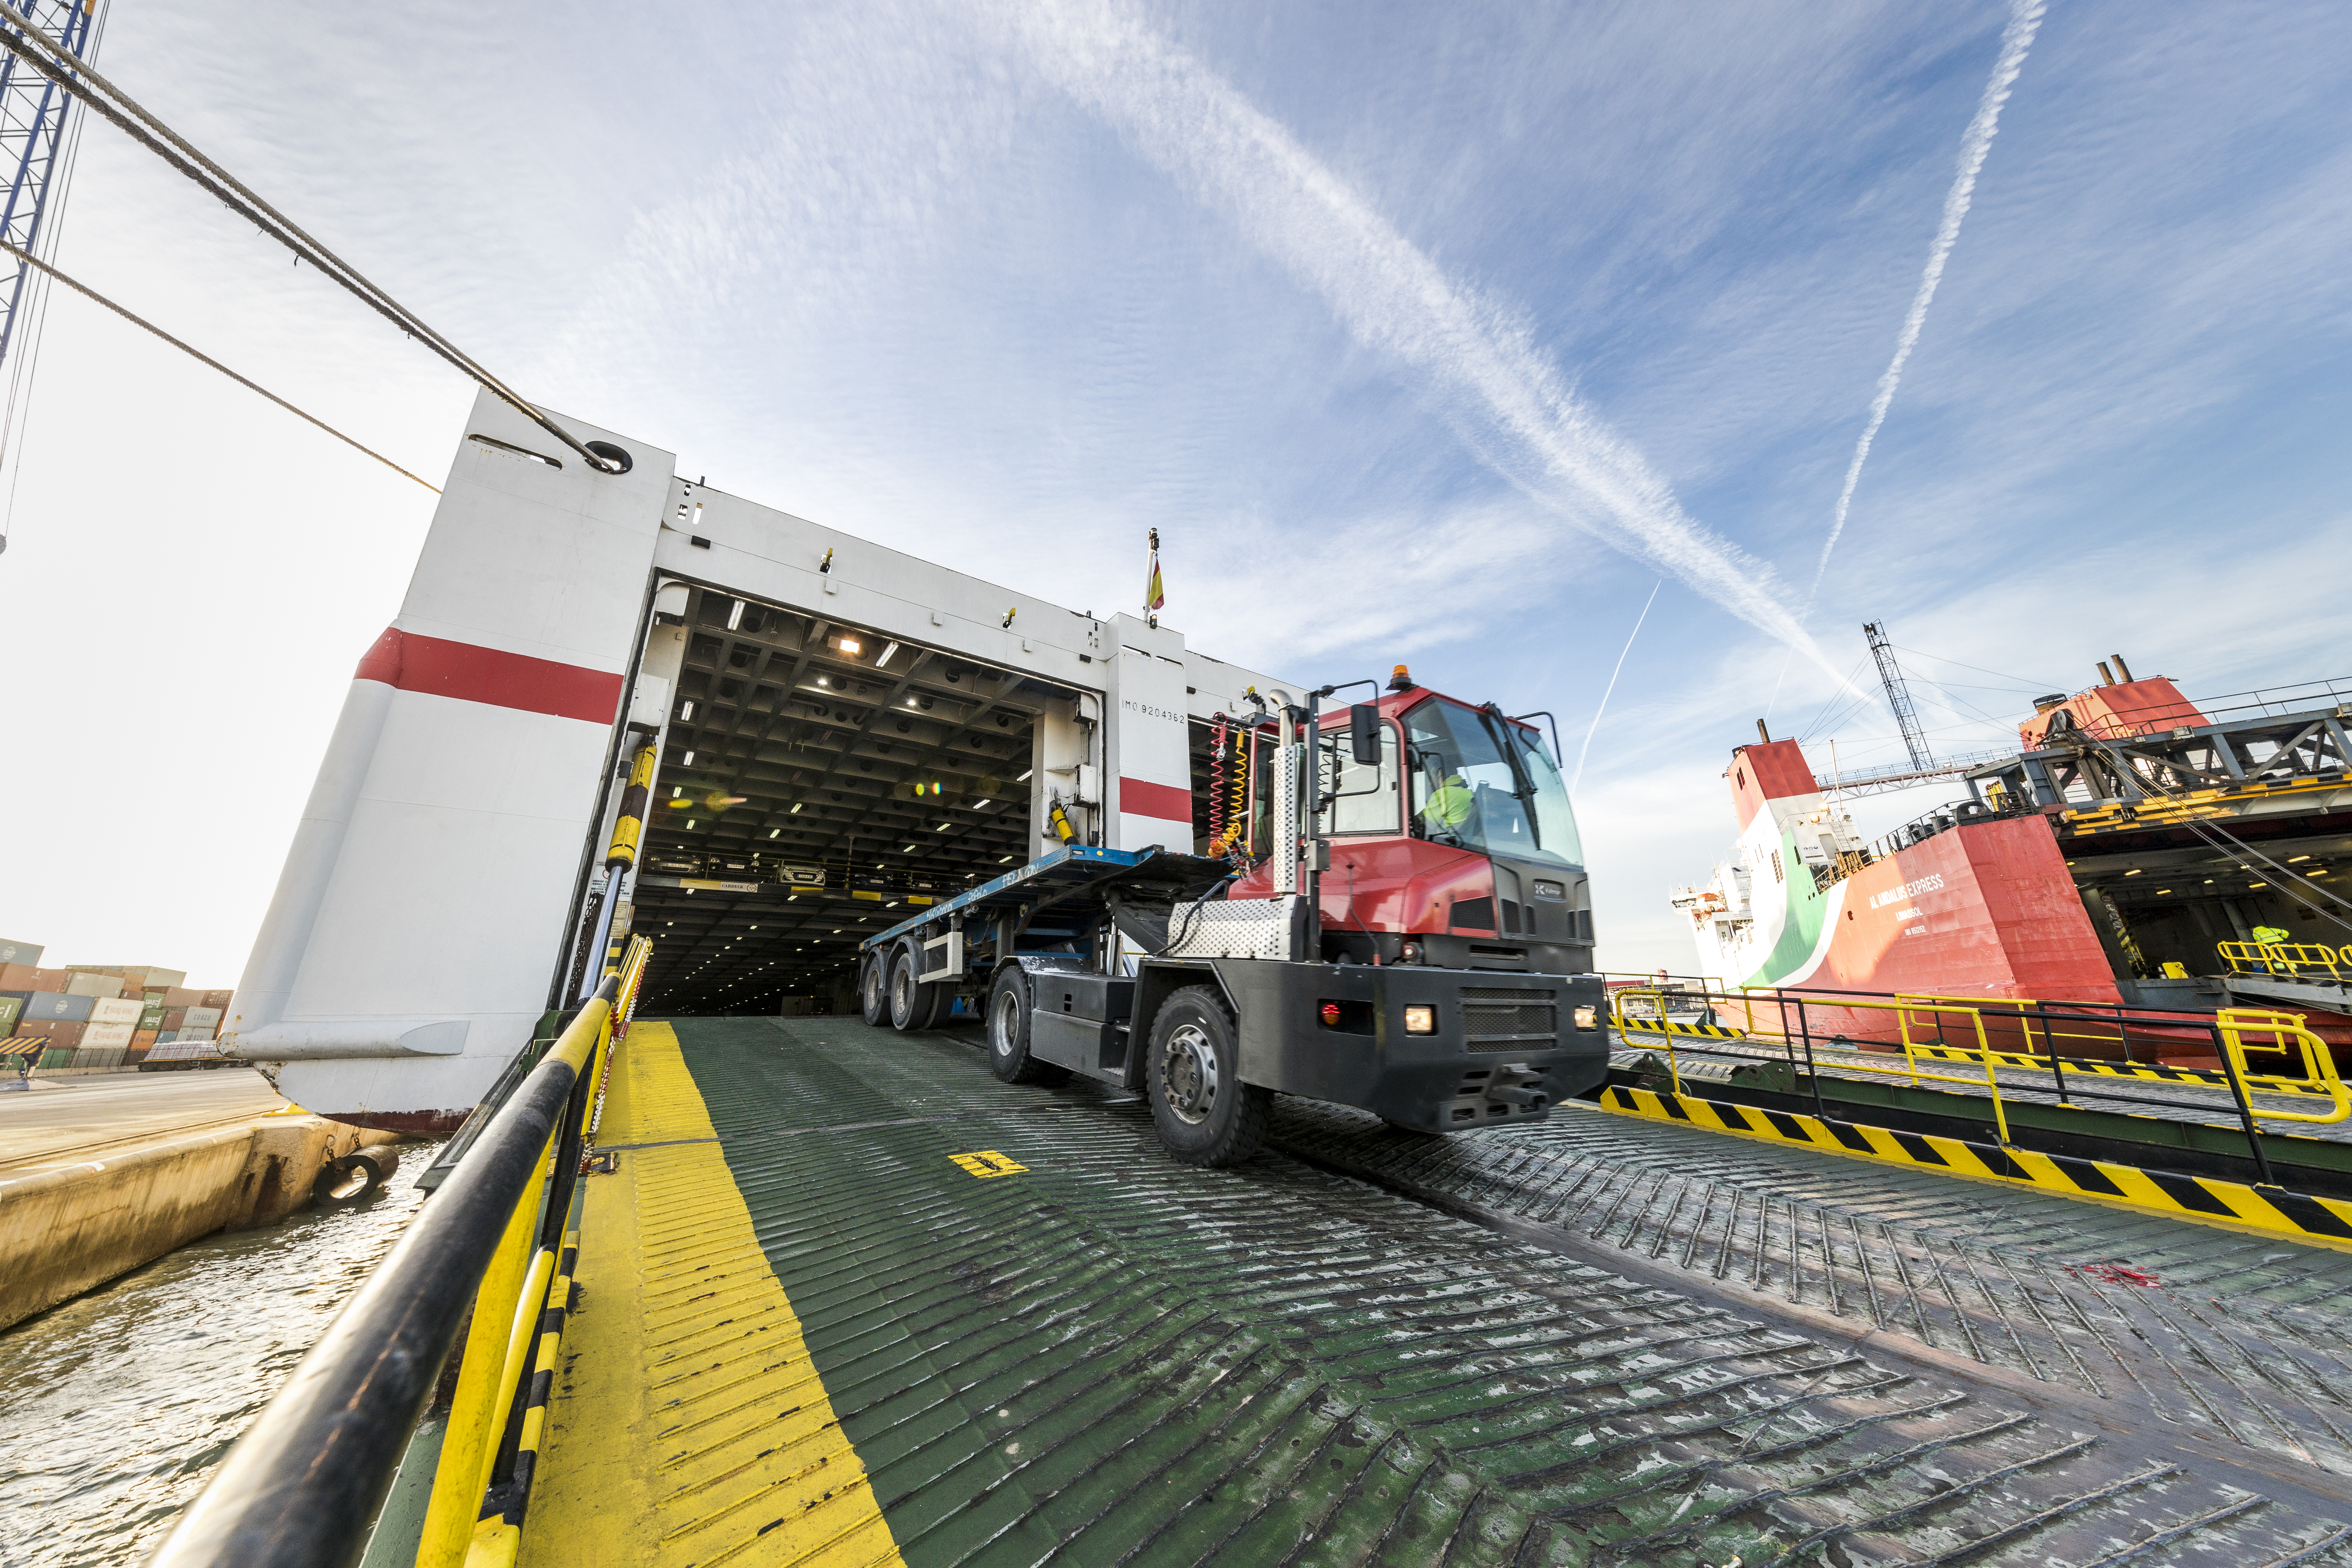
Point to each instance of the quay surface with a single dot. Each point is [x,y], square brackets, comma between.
[101,1173]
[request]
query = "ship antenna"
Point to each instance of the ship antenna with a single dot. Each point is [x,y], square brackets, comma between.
[1898,696]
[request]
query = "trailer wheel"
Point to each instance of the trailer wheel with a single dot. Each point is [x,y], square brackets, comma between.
[874,990]
[1008,1033]
[913,1006]
[1204,1113]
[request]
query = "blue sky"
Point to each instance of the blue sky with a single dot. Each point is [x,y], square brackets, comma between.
[1428,333]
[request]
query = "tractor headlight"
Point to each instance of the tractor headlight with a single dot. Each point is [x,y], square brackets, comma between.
[1588,1017]
[1420,1018]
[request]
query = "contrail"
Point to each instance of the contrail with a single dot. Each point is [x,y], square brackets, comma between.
[2024,21]
[1594,728]
[1508,402]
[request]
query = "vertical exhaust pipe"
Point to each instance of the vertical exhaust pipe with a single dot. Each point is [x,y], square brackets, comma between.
[2121,665]
[2106,676]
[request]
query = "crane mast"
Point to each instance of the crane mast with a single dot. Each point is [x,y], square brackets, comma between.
[1898,696]
[32,133]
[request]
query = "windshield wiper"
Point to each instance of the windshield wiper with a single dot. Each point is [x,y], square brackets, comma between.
[1525,793]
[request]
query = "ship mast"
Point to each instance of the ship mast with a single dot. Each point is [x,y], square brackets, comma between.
[1898,696]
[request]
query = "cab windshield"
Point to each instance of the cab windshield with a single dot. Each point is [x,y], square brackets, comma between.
[1480,781]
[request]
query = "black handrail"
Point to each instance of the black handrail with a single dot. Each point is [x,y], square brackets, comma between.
[303,1485]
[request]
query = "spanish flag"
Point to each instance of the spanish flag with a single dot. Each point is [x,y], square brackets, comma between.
[1155,596]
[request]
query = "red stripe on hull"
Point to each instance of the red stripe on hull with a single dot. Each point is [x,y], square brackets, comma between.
[408,662]
[1146,799]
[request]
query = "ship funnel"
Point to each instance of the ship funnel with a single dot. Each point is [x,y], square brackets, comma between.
[2106,676]
[2122,667]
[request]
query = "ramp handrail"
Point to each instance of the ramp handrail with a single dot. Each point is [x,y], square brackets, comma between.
[303,1485]
[2291,958]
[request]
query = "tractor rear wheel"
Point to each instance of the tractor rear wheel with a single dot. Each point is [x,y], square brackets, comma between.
[1204,1113]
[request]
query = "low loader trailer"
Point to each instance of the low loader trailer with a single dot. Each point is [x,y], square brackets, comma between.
[1211,984]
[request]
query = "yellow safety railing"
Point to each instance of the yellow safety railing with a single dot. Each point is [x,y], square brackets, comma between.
[1910,1013]
[2286,958]
[2319,1076]
[509,1306]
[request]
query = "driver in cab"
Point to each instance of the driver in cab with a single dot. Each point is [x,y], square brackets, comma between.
[1449,805]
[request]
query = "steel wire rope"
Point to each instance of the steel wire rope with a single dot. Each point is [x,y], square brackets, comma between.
[2023,682]
[43,54]
[88,293]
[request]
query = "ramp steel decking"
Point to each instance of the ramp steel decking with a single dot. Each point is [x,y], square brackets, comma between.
[845,1299]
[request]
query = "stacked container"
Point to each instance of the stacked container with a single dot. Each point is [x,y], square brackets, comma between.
[96,1017]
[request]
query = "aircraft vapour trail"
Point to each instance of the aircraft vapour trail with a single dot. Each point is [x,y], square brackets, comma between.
[2024,21]
[1508,402]
[1594,728]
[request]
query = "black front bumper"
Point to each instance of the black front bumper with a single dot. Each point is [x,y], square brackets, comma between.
[1506,1048]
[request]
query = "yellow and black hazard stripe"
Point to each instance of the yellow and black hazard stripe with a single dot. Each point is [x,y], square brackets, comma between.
[503,1516]
[631,826]
[1668,1027]
[2208,1078]
[2272,1210]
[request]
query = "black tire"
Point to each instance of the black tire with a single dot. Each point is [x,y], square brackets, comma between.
[874,990]
[1204,1113]
[913,1006]
[346,1181]
[1008,1032]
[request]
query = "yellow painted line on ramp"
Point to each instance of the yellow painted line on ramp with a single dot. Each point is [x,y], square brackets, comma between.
[688,1424]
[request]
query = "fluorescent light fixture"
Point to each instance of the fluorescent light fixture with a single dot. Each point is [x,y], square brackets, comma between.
[888,650]
[774,831]
[1025,775]
[821,681]
[2293,859]
[942,827]
[689,822]
[796,810]
[689,759]
[978,805]
[1000,859]
[910,849]
[735,616]
[891,905]
[2132,872]
[676,791]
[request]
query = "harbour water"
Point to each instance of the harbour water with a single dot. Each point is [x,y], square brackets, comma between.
[115,1406]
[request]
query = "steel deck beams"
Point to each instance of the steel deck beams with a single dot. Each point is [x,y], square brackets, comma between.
[1589,1341]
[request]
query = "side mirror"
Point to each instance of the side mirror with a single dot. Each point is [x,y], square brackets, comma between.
[1364,733]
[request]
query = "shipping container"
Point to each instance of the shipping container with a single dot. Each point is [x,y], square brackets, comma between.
[197,1032]
[80,983]
[201,1018]
[150,1016]
[174,1017]
[26,953]
[106,1037]
[57,1031]
[181,996]
[142,1039]
[116,1010]
[56,1056]
[24,977]
[11,1009]
[218,999]
[59,1006]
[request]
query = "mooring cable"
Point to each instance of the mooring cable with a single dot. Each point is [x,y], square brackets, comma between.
[87,292]
[51,59]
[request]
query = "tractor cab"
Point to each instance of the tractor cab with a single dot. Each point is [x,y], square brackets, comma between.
[1458,847]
